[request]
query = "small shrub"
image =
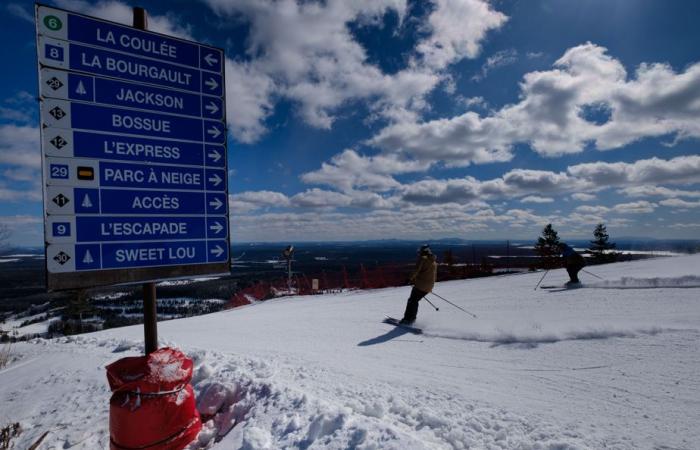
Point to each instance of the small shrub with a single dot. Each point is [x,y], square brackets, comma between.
[5,353]
[7,433]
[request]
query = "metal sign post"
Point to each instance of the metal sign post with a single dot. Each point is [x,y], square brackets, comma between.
[134,155]
[150,304]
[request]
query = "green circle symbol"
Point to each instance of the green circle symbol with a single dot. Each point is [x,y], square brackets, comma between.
[53,23]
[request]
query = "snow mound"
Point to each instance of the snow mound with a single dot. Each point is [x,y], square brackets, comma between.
[688,281]
[246,404]
[531,339]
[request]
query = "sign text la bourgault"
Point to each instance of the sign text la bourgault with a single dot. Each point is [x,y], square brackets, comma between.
[134,153]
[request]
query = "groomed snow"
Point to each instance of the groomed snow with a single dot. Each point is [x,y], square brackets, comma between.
[611,365]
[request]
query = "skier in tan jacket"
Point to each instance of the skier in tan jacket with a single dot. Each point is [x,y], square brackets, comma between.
[423,280]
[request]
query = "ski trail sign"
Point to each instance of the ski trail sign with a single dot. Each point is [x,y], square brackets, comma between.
[133,133]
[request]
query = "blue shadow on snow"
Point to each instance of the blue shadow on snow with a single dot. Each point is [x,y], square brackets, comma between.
[392,334]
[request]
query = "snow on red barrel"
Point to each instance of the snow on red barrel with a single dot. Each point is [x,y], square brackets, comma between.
[152,404]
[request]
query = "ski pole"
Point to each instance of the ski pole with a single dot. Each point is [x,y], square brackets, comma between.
[541,279]
[431,304]
[456,306]
[589,273]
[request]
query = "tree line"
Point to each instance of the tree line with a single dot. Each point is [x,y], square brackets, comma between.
[601,248]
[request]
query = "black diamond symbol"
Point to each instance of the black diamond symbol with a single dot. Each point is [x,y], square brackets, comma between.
[59,142]
[54,83]
[57,113]
[61,200]
[61,258]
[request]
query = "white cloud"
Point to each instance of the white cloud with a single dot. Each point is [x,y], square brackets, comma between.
[583,197]
[319,198]
[415,222]
[462,191]
[678,203]
[17,10]
[577,178]
[120,12]
[23,108]
[470,102]
[348,170]
[640,207]
[20,153]
[15,115]
[253,200]
[15,195]
[21,174]
[523,181]
[457,29]
[19,146]
[657,191]
[323,199]
[459,141]
[306,53]
[551,113]
[588,209]
[499,59]
[684,225]
[536,199]
[248,89]
[249,92]
[682,169]
[534,55]
[20,220]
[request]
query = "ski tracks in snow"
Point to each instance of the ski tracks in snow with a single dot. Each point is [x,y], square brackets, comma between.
[531,339]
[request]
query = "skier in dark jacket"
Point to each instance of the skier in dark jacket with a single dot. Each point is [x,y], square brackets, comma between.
[423,280]
[573,262]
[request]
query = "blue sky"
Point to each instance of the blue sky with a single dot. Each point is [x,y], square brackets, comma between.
[420,120]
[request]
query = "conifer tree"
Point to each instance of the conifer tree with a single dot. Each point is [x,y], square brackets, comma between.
[601,247]
[547,247]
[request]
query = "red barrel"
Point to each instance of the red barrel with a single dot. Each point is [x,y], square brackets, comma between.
[152,405]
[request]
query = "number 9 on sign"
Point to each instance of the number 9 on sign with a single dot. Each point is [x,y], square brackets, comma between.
[61,229]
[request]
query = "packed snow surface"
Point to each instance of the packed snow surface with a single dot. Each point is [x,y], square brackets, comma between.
[614,364]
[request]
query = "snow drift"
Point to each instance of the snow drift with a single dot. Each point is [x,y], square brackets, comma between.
[582,368]
[688,281]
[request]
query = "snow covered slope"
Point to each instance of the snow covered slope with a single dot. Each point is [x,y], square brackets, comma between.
[615,364]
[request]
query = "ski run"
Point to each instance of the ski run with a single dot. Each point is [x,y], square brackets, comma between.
[615,364]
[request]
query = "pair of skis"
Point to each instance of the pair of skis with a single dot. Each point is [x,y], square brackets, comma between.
[395,322]
[561,287]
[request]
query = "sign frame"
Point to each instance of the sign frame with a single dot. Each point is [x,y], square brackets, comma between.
[90,278]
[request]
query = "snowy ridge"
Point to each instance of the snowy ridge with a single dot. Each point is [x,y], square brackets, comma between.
[575,369]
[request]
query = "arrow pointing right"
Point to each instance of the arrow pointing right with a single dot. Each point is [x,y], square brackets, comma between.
[215,179]
[216,203]
[214,155]
[214,132]
[217,227]
[211,84]
[217,251]
[212,108]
